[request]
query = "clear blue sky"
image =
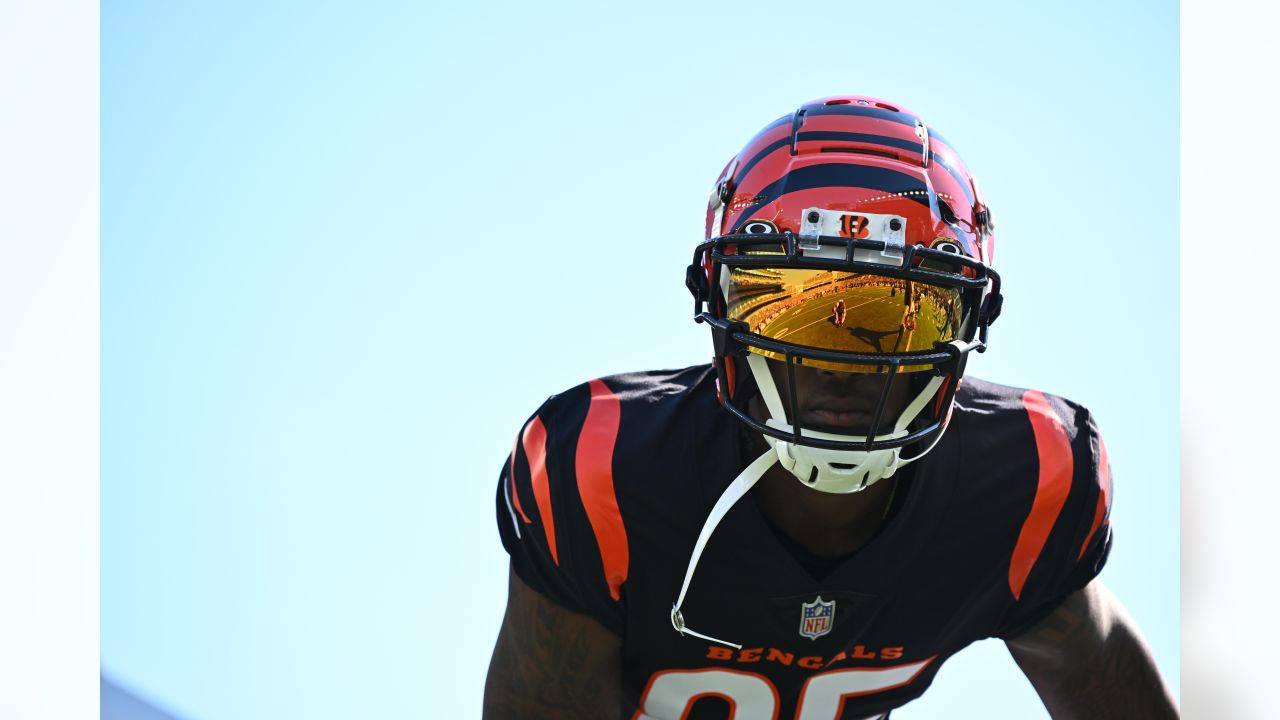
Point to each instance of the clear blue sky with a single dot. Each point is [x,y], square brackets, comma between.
[347,248]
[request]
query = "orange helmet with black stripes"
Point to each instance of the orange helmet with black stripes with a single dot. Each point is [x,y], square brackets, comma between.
[847,236]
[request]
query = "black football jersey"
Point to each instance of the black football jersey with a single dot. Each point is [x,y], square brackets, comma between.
[610,482]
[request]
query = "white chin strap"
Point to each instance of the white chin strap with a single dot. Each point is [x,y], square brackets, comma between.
[738,488]
[833,471]
[836,471]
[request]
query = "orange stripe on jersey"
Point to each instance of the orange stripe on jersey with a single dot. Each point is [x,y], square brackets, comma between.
[534,440]
[511,477]
[1056,467]
[595,483]
[1104,495]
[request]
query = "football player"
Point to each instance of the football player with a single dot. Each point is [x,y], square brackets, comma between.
[812,524]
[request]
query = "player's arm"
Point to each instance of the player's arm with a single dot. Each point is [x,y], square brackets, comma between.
[551,663]
[1087,659]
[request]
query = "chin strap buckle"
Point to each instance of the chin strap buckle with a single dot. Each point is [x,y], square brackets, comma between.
[677,619]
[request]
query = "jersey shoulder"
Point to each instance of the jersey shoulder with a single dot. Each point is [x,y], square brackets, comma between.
[1036,467]
[983,401]
[1020,442]
[591,466]
[641,423]
[644,397]
[1010,432]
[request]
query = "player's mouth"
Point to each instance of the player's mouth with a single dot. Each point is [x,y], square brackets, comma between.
[838,420]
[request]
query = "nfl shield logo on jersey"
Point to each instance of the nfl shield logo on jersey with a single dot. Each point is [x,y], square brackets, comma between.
[816,618]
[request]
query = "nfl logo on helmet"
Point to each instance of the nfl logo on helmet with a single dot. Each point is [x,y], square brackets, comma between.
[816,618]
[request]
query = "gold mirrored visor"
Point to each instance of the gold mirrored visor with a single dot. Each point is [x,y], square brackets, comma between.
[843,312]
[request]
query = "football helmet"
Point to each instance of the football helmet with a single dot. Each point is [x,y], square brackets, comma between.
[846,236]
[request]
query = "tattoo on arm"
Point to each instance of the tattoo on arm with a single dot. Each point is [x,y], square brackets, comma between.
[1088,660]
[551,663]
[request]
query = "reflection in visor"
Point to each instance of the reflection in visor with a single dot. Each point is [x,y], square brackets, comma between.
[844,312]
